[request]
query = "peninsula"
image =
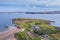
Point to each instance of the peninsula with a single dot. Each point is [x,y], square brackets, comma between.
[36,29]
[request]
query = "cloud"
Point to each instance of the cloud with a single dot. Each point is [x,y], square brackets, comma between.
[25,5]
[25,9]
[47,2]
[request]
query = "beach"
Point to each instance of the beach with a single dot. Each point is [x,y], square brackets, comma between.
[9,35]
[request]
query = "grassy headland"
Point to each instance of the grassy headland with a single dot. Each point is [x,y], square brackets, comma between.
[28,33]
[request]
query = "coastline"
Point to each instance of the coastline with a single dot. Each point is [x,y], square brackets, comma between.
[9,35]
[10,28]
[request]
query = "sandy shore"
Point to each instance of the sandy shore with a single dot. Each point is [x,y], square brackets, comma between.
[9,35]
[10,28]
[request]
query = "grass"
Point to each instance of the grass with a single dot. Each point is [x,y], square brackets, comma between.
[27,26]
[48,27]
[37,38]
[52,37]
[21,36]
[56,36]
[45,25]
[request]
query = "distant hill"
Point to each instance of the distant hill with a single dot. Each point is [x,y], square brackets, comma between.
[54,12]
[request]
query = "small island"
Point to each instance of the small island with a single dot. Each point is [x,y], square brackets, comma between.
[36,29]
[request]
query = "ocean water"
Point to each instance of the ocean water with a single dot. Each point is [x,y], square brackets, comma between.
[6,18]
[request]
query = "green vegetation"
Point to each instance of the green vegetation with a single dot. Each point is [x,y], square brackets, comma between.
[37,38]
[21,36]
[46,27]
[52,37]
[49,29]
[55,36]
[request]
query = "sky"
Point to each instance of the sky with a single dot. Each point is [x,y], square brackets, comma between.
[29,5]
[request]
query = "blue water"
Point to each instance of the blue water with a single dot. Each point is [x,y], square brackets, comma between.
[6,18]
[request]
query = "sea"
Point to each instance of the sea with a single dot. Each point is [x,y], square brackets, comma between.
[6,18]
